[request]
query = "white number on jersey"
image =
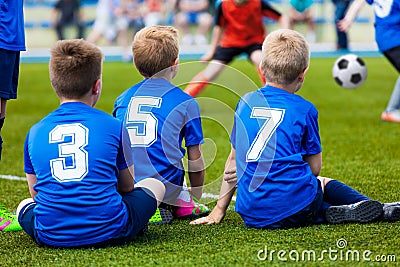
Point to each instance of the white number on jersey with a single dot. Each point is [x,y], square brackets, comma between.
[143,132]
[75,150]
[382,7]
[273,118]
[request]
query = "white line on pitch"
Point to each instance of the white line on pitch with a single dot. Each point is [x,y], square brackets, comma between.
[11,177]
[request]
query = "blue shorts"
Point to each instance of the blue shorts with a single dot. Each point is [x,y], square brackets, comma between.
[141,205]
[312,214]
[227,54]
[9,72]
[301,5]
[193,17]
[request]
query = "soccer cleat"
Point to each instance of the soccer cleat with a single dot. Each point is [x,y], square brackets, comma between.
[360,212]
[391,116]
[161,216]
[8,221]
[190,210]
[391,212]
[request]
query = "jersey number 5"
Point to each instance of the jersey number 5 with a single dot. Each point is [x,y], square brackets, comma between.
[273,117]
[142,124]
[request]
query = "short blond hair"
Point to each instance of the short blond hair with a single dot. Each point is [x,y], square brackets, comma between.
[155,49]
[285,55]
[75,65]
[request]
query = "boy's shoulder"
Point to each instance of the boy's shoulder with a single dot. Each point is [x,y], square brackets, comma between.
[160,88]
[270,94]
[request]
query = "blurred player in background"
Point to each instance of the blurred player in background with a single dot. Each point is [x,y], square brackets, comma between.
[158,116]
[300,11]
[12,42]
[342,41]
[193,13]
[387,36]
[276,155]
[239,28]
[68,12]
[80,181]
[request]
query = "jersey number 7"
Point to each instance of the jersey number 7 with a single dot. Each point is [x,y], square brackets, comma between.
[273,117]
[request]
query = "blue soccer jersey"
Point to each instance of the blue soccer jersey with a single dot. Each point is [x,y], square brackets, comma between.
[158,116]
[273,129]
[76,161]
[387,23]
[12,31]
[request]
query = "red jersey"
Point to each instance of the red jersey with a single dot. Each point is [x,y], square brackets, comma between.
[243,24]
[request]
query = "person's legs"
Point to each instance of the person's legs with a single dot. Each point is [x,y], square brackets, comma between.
[9,74]
[394,101]
[187,206]
[307,216]
[181,21]
[156,187]
[392,111]
[204,22]
[26,218]
[341,7]
[348,205]
[338,193]
[2,119]
[141,203]
[201,80]
[59,27]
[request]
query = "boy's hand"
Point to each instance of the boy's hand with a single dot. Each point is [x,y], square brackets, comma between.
[203,220]
[230,175]
[215,216]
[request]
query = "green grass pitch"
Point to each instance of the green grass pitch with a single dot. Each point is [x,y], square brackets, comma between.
[358,149]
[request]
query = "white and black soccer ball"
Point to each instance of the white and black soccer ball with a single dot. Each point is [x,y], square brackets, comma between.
[349,71]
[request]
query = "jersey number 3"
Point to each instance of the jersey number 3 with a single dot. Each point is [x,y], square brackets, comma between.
[72,163]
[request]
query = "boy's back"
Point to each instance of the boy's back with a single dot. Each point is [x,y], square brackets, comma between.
[77,194]
[158,117]
[280,128]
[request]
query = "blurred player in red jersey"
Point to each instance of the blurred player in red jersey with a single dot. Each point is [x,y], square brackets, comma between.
[238,29]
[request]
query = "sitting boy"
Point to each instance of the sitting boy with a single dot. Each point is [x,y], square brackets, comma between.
[276,153]
[81,185]
[158,116]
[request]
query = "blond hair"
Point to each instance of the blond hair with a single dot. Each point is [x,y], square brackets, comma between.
[75,66]
[155,49]
[285,56]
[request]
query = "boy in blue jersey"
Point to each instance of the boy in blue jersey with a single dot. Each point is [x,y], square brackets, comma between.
[12,41]
[80,181]
[276,153]
[387,28]
[158,116]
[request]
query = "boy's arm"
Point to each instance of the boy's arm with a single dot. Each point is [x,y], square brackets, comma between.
[315,162]
[227,190]
[31,178]
[125,180]
[345,24]
[196,170]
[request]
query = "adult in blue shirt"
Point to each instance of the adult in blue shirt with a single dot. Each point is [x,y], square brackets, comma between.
[387,28]
[12,41]
[80,181]
[276,153]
